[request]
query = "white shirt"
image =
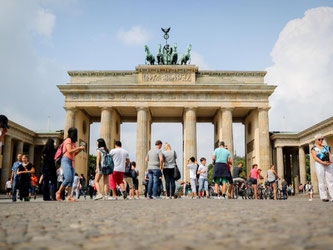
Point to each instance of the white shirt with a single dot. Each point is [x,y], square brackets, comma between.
[8,184]
[193,170]
[205,174]
[119,157]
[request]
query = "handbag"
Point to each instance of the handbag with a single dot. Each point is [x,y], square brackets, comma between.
[176,173]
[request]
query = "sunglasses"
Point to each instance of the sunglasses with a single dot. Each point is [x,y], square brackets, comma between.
[320,139]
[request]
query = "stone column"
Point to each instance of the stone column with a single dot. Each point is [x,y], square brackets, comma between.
[302,166]
[19,148]
[279,162]
[190,138]
[69,120]
[295,172]
[6,161]
[105,131]
[314,180]
[31,153]
[141,142]
[115,127]
[264,151]
[226,127]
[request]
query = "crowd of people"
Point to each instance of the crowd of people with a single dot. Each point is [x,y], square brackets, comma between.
[114,169]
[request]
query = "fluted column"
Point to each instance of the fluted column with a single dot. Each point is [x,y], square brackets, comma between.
[105,130]
[264,151]
[31,153]
[69,120]
[190,138]
[226,130]
[19,148]
[279,162]
[6,161]
[302,166]
[141,142]
[314,180]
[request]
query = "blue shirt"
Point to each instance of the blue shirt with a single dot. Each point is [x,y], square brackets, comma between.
[15,167]
[221,155]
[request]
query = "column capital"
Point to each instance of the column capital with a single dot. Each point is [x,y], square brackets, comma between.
[190,108]
[279,147]
[73,109]
[264,108]
[145,108]
[226,109]
[105,108]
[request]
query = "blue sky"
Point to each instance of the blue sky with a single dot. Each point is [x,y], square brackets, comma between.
[41,40]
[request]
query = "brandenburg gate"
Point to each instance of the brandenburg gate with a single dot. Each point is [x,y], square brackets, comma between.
[170,93]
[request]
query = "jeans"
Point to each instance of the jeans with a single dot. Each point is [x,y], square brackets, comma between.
[49,176]
[83,192]
[203,184]
[15,187]
[76,191]
[169,181]
[153,175]
[68,170]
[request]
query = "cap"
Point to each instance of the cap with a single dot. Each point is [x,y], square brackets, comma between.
[4,121]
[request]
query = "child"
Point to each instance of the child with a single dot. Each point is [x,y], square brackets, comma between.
[192,165]
[203,179]
[33,186]
[9,188]
[310,191]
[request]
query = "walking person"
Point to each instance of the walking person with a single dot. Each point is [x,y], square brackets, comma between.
[121,159]
[8,188]
[128,178]
[193,166]
[284,185]
[135,175]
[221,174]
[14,177]
[254,174]
[24,171]
[68,163]
[91,184]
[82,187]
[49,171]
[324,168]
[169,157]
[310,191]
[155,162]
[271,178]
[203,178]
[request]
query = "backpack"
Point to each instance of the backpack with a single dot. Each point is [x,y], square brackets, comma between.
[58,155]
[134,174]
[128,172]
[108,164]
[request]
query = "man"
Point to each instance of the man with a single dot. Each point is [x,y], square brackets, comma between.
[121,159]
[3,127]
[14,178]
[155,162]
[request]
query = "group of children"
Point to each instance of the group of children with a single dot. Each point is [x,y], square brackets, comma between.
[195,171]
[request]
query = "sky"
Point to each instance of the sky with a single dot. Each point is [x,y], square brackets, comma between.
[291,40]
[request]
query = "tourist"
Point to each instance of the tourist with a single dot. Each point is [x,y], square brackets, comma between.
[221,174]
[60,179]
[129,180]
[8,188]
[15,177]
[310,191]
[271,178]
[3,127]
[155,162]
[284,185]
[254,174]
[324,168]
[236,173]
[33,186]
[82,187]
[68,163]
[203,178]
[24,172]
[300,188]
[76,186]
[101,152]
[91,184]
[49,171]
[121,159]
[192,165]
[135,175]
[145,183]
[169,157]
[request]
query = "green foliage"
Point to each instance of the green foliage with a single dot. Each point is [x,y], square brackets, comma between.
[307,165]
[210,173]
[92,165]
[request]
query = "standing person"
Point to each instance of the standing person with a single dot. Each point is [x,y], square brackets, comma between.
[203,178]
[135,175]
[254,174]
[24,171]
[169,157]
[14,177]
[102,150]
[121,159]
[8,188]
[155,161]
[3,127]
[91,184]
[76,186]
[82,187]
[128,178]
[284,185]
[33,186]
[145,183]
[271,178]
[49,171]
[310,191]
[221,174]
[68,163]
[60,179]
[324,168]
[192,165]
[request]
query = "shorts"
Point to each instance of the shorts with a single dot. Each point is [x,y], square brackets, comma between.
[221,180]
[116,179]
[9,190]
[129,182]
[253,181]
[32,189]
[203,184]
[136,184]
[193,185]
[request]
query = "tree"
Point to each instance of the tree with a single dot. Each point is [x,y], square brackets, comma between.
[307,165]
[210,173]
[92,165]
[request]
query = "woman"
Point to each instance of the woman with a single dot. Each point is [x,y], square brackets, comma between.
[170,157]
[324,168]
[49,171]
[101,151]
[24,172]
[135,175]
[145,183]
[271,178]
[254,174]
[68,163]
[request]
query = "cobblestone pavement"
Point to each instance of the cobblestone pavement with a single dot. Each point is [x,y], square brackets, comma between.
[167,224]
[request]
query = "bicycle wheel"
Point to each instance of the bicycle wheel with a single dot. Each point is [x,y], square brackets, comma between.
[236,193]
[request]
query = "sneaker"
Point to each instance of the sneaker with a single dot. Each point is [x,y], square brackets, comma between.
[105,198]
[124,195]
[325,200]
[310,199]
[173,197]
[168,198]
[223,198]
[111,198]
[98,197]
[157,197]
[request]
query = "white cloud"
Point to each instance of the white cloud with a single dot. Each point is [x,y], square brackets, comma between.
[303,71]
[136,35]
[44,22]
[198,60]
